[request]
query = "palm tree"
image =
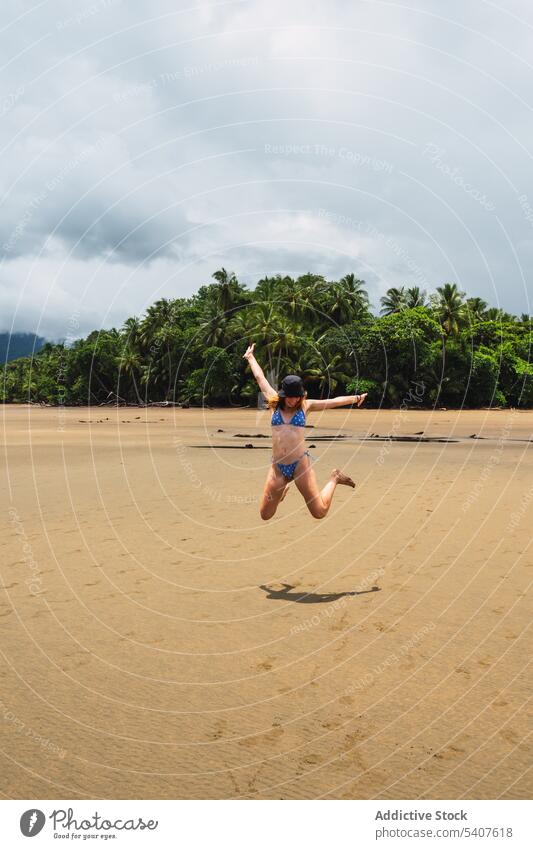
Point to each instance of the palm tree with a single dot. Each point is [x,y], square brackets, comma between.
[310,280]
[349,299]
[229,291]
[130,359]
[476,308]
[415,297]
[272,288]
[213,327]
[157,335]
[132,330]
[393,301]
[327,375]
[497,314]
[300,298]
[449,308]
[160,313]
[286,344]
[130,363]
[276,334]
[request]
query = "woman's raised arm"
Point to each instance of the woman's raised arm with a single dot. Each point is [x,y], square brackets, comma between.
[340,401]
[258,373]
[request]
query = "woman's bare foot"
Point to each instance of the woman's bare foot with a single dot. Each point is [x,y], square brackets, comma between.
[361,398]
[341,478]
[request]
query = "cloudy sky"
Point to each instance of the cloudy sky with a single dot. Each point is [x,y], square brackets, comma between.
[144,145]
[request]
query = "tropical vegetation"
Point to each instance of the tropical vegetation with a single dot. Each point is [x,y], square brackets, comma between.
[456,350]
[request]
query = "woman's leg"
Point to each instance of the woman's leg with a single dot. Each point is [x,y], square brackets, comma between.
[274,491]
[318,501]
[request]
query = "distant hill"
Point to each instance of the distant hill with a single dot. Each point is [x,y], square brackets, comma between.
[14,345]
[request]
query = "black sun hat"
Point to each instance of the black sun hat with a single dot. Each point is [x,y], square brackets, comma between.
[291,387]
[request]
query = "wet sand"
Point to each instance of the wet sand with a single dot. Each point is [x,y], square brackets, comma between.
[158,640]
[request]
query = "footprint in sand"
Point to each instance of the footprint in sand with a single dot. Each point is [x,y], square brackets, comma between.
[274,734]
[219,729]
[449,753]
[341,624]
[510,736]
[331,724]
[354,737]
[462,671]
[266,664]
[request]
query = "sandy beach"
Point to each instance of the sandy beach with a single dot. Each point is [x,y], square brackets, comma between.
[160,641]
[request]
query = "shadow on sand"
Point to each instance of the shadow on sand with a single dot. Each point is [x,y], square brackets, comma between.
[310,598]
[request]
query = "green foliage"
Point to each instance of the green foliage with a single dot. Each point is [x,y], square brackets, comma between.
[483,382]
[359,386]
[400,350]
[214,381]
[447,351]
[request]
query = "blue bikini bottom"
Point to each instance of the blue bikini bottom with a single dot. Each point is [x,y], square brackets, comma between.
[288,469]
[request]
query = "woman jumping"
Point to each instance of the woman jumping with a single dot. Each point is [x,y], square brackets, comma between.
[290,460]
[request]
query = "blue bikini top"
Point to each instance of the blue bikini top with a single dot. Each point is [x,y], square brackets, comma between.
[298,419]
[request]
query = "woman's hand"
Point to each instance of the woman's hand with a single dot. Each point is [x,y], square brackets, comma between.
[249,352]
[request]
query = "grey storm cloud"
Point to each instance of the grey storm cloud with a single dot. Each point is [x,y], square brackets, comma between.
[144,146]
